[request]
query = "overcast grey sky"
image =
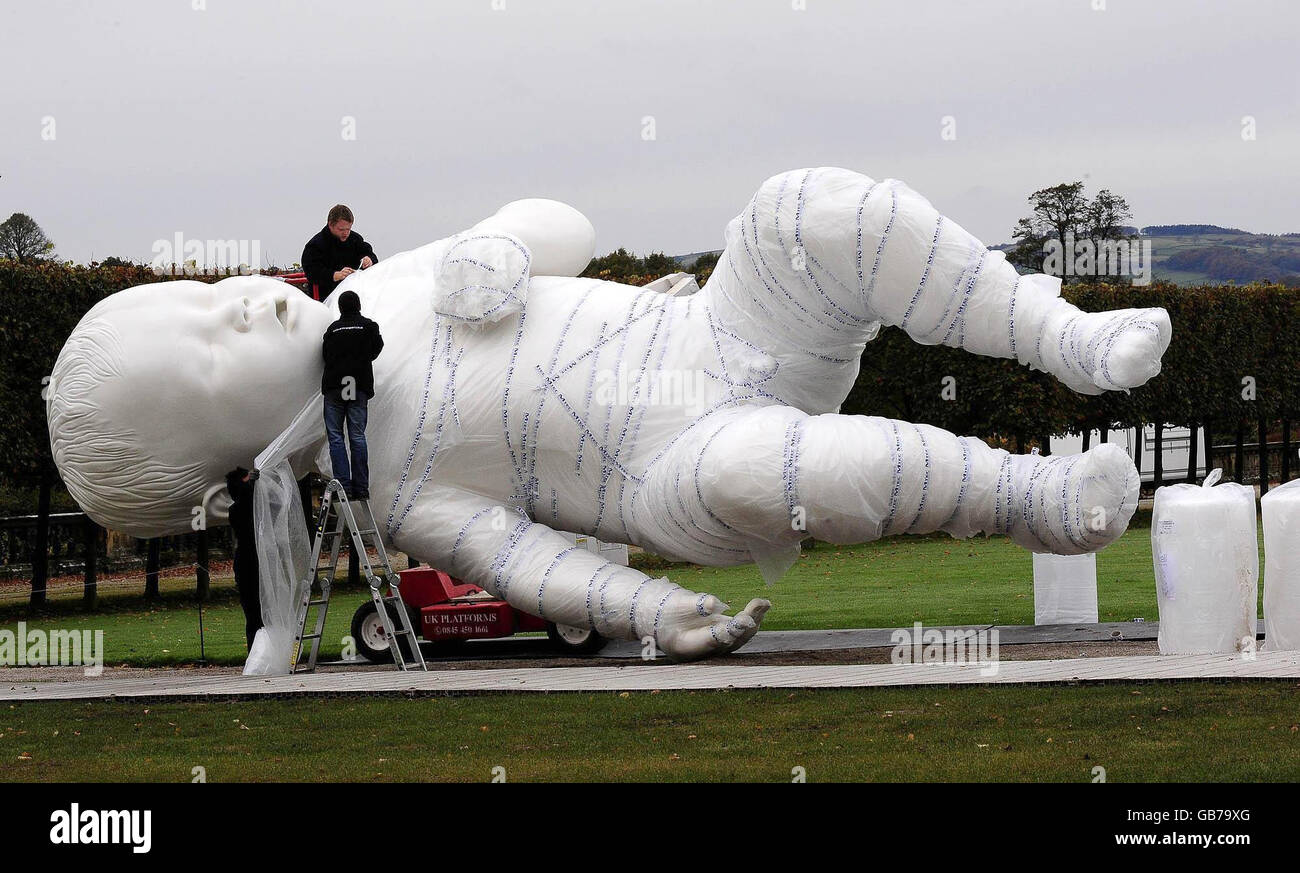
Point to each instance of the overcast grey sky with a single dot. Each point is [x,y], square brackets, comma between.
[227,122]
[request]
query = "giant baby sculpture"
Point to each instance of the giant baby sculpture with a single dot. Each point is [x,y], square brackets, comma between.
[514,401]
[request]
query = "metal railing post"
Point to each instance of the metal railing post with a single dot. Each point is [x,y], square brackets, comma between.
[41,549]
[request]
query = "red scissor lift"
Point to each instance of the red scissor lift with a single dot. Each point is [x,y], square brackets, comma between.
[448,612]
[297,280]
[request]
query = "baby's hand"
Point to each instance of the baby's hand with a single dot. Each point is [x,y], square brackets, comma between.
[483,277]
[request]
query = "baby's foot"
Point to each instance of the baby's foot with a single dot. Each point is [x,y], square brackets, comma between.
[1092,352]
[1127,348]
[1072,504]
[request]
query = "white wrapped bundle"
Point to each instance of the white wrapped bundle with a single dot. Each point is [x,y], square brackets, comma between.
[1281,510]
[1065,589]
[1206,554]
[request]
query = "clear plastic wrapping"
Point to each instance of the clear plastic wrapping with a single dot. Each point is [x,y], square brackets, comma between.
[1065,589]
[1206,553]
[1281,510]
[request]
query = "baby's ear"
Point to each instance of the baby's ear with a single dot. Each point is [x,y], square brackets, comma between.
[216,505]
[483,277]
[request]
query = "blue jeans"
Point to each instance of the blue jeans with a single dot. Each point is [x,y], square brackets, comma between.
[355,477]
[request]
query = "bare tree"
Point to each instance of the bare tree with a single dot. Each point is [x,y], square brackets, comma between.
[21,239]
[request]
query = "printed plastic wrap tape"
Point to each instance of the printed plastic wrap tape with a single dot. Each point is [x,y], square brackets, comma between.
[1205,547]
[1281,510]
[1065,589]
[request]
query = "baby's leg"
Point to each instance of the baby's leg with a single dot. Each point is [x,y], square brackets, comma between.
[768,477]
[821,256]
[540,572]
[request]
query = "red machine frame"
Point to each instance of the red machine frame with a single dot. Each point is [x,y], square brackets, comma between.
[453,610]
[448,611]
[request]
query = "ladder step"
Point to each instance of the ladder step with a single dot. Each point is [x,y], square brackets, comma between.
[337,517]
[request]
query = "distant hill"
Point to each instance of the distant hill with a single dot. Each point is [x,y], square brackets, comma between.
[1207,254]
[1195,254]
[1189,230]
[685,262]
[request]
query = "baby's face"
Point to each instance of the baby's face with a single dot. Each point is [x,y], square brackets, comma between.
[214,372]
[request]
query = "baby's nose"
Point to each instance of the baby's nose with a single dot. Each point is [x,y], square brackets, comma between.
[241,315]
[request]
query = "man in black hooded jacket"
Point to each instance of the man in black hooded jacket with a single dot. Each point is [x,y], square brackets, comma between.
[350,345]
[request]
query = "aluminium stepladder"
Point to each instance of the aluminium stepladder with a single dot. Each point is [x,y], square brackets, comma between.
[339,516]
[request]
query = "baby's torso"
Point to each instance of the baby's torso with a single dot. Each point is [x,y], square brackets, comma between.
[559,410]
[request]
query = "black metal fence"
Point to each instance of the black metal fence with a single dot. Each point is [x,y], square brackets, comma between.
[1261,452]
[46,545]
[70,543]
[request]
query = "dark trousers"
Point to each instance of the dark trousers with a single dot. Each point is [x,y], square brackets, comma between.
[354,476]
[246,581]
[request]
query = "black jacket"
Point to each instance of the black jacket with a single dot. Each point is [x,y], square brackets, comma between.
[245,565]
[324,255]
[350,344]
[241,510]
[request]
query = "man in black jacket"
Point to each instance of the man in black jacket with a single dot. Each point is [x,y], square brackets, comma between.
[349,347]
[240,486]
[334,254]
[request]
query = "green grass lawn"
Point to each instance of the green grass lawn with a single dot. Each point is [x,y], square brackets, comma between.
[890,583]
[1193,731]
[937,580]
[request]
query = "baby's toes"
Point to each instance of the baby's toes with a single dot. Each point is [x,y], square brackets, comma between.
[718,635]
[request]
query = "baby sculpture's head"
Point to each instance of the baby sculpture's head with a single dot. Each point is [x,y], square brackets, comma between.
[162,389]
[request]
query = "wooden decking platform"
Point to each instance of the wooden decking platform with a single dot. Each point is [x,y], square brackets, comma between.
[661,676]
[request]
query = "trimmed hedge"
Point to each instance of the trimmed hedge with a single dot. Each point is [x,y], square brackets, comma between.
[1222,335]
[40,304]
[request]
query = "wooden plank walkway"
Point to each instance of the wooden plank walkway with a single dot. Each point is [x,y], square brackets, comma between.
[766,642]
[769,642]
[663,676]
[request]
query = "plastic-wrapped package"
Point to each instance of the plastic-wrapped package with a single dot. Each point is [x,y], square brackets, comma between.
[1065,589]
[514,401]
[1206,552]
[1280,508]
